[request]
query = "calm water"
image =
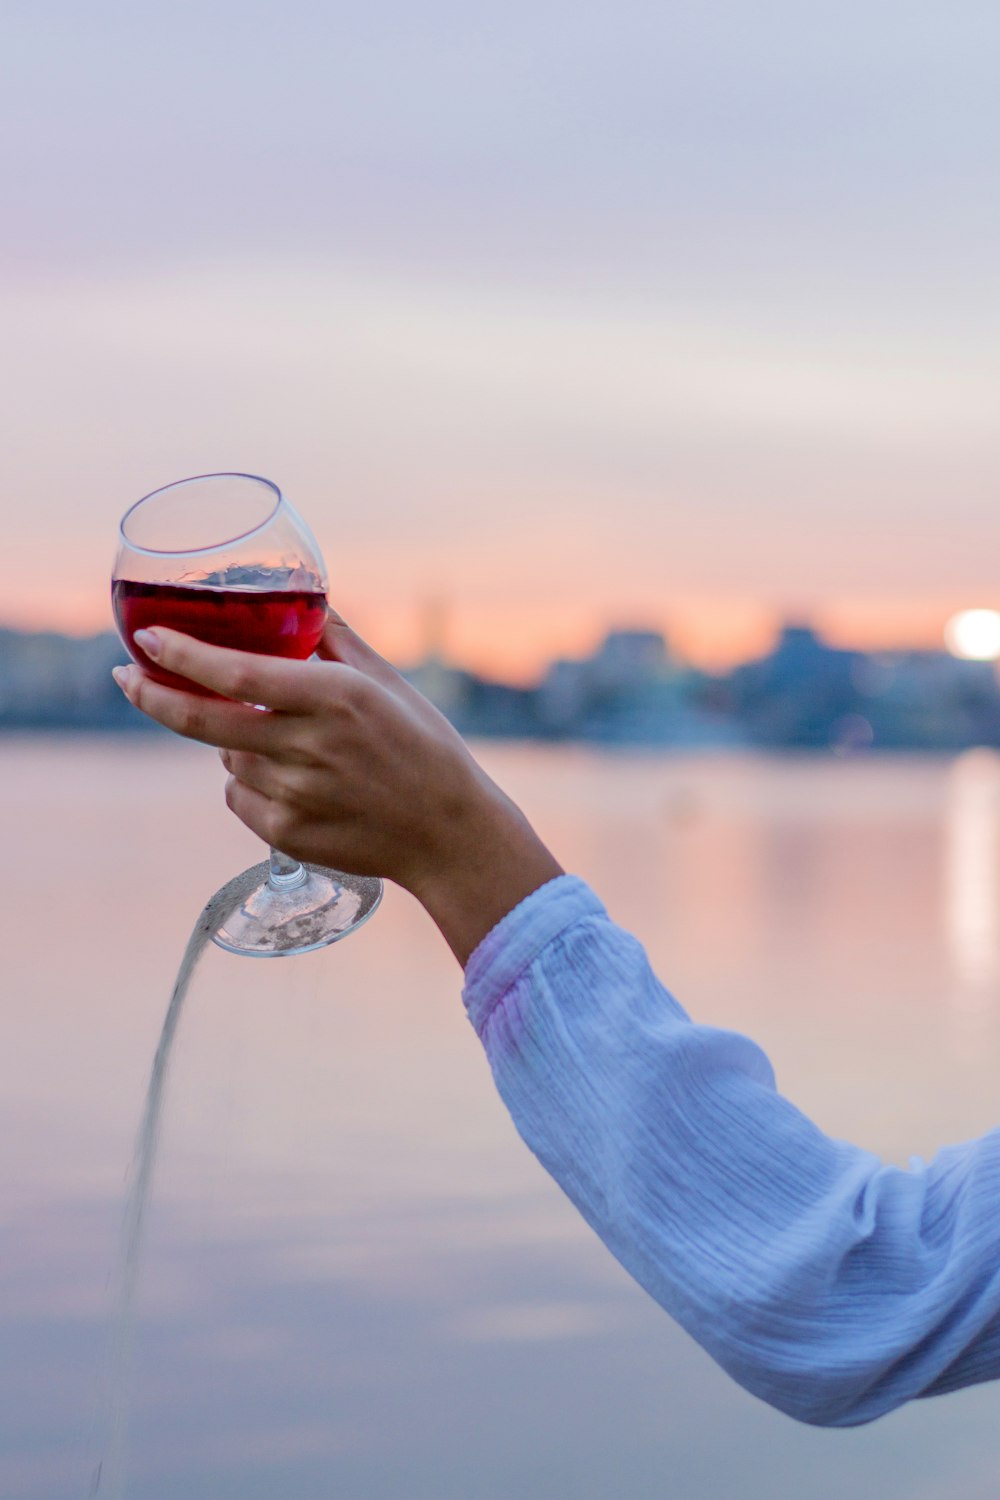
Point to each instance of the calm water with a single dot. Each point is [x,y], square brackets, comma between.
[357,1282]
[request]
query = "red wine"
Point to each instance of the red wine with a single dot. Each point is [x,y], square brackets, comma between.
[279,622]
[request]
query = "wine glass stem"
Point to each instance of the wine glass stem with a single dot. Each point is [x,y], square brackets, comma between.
[284,874]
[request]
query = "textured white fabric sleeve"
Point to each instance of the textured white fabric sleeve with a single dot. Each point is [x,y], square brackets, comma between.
[831,1285]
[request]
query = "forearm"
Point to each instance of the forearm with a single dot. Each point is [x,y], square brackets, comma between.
[830,1285]
[488,860]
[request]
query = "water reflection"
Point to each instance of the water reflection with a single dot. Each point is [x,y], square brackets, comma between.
[358,1281]
[972,877]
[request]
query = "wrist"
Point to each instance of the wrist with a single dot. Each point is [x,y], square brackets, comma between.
[490,859]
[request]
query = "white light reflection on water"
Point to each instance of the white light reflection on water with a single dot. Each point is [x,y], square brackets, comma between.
[972,876]
[358,1281]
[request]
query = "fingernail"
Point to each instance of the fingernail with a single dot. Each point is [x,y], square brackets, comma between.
[148,641]
[121,676]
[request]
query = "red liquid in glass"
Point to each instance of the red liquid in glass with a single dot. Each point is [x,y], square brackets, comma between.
[282,622]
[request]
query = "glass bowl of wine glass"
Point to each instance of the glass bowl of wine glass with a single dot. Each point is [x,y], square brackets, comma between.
[227,559]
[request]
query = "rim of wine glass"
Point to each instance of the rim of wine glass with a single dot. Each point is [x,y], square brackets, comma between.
[215,546]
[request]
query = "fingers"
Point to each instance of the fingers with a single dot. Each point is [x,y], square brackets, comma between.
[267,776]
[259,813]
[340,643]
[274,681]
[214,721]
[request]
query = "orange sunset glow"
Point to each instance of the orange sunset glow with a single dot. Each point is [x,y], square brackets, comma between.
[636,393]
[516,645]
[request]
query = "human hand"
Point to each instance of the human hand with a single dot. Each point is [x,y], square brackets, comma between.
[351,767]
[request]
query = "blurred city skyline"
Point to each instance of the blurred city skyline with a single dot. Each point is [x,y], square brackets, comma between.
[632,689]
[660,317]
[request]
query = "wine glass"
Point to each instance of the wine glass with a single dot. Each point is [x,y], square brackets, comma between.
[225,558]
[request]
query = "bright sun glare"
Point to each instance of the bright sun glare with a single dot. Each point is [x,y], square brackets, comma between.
[974,634]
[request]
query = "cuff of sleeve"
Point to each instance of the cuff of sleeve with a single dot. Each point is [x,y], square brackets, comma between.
[518,938]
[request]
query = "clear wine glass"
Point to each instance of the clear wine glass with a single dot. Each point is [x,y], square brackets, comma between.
[225,558]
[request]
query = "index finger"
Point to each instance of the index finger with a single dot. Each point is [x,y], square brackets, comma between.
[276,682]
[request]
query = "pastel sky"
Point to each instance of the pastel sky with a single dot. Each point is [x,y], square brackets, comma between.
[562,314]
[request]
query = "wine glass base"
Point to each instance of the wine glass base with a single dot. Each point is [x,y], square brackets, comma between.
[271,923]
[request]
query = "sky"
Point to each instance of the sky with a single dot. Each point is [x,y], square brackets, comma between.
[547,316]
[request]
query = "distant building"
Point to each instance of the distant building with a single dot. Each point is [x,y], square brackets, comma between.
[630,691]
[930,699]
[630,658]
[803,694]
[564,696]
[56,681]
[475,705]
[808,695]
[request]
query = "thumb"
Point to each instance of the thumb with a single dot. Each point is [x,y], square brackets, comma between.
[340,643]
